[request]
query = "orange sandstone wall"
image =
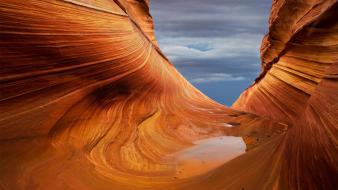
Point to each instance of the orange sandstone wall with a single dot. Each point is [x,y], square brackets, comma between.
[83,83]
[299,85]
[296,53]
[88,101]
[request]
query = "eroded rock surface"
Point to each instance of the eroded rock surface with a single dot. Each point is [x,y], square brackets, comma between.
[89,101]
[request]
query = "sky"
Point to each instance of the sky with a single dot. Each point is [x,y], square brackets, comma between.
[213,43]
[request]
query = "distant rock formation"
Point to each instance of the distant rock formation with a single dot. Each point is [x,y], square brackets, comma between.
[89,101]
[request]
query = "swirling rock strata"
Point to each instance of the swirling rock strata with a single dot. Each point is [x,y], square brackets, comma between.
[298,85]
[89,101]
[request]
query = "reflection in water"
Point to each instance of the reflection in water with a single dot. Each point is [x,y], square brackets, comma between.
[208,154]
[227,125]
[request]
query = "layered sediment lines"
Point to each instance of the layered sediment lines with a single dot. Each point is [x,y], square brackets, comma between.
[89,101]
[299,85]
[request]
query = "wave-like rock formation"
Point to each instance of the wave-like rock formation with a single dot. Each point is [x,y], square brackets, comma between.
[89,101]
[299,85]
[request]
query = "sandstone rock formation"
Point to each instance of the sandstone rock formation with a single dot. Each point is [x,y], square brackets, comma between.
[89,101]
[299,86]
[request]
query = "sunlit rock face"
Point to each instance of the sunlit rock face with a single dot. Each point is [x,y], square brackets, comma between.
[89,101]
[299,86]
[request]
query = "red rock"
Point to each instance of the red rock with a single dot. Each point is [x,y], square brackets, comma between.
[89,101]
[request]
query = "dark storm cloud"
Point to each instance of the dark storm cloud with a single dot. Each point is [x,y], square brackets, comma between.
[212,40]
[205,18]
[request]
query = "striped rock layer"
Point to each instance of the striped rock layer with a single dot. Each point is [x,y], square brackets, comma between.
[299,86]
[89,101]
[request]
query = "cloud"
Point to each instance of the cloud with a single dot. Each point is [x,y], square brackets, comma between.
[212,18]
[183,48]
[212,41]
[216,77]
